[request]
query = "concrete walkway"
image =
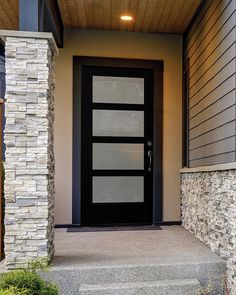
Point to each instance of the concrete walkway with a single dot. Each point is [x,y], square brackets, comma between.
[140,262]
[172,245]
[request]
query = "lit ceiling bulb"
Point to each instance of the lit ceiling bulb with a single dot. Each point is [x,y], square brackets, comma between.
[126,17]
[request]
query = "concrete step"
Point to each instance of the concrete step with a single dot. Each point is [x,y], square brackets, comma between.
[167,287]
[70,279]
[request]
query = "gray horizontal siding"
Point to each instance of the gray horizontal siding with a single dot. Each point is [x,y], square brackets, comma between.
[212,26]
[220,119]
[214,109]
[212,84]
[211,55]
[209,73]
[219,93]
[214,39]
[224,131]
[213,160]
[201,19]
[220,147]
[210,49]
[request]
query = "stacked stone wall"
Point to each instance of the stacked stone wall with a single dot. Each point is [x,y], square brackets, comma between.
[209,212]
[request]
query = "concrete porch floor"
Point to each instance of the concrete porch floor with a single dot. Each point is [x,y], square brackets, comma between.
[171,245]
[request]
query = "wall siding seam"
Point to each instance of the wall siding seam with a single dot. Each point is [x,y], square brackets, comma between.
[211,66]
[212,117]
[212,155]
[218,86]
[206,59]
[200,137]
[218,15]
[211,41]
[210,80]
[210,105]
[222,146]
[209,116]
[210,29]
[218,93]
[215,141]
[192,138]
[204,162]
[218,78]
[235,91]
[190,33]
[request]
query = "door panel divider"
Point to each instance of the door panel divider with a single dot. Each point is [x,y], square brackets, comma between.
[118,106]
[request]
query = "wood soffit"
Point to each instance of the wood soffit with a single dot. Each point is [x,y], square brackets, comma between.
[164,16]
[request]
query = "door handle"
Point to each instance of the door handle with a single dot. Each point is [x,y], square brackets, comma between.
[150,161]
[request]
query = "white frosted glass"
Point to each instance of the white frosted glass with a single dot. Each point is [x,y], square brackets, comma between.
[118,123]
[128,189]
[118,156]
[118,90]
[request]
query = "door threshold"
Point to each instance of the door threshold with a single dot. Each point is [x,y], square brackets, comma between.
[113,228]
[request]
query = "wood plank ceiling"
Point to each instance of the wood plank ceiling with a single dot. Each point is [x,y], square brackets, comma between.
[9,14]
[165,16]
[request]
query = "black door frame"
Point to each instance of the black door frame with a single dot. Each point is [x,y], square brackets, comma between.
[157,68]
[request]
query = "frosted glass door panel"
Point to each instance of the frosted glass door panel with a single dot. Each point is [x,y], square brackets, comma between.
[118,123]
[118,189]
[118,90]
[118,156]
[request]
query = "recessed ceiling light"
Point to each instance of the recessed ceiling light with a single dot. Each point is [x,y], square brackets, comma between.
[126,17]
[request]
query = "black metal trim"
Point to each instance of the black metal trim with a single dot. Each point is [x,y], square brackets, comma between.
[51,20]
[118,172]
[76,130]
[185,118]
[118,106]
[158,145]
[118,139]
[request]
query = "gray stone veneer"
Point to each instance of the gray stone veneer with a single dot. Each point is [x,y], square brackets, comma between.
[29,165]
[209,212]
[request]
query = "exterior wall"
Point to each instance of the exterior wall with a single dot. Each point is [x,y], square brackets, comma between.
[208,192]
[29,164]
[120,45]
[210,51]
[209,212]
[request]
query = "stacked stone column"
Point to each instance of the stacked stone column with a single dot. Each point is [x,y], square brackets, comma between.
[29,164]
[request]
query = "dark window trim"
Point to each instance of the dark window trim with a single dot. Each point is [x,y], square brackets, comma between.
[157,67]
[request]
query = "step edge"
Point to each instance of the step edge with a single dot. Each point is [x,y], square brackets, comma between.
[160,283]
[107,267]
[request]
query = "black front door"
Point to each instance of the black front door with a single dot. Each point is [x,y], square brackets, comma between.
[117,146]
